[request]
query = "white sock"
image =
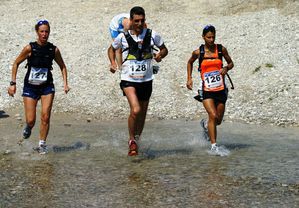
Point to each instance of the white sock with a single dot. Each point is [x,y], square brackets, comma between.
[213,145]
[42,142]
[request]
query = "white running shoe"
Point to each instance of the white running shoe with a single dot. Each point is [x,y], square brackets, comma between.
[214,150]
[219,151]
[42,149]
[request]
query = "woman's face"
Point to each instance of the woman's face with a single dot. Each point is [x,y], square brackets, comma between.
[43,33]
[209,38]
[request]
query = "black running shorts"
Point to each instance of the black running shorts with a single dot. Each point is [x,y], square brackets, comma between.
[220,96]
[143,89]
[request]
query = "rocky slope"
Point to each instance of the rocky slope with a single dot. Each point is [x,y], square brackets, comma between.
[261,37]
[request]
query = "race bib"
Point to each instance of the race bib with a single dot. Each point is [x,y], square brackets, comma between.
[38,76]
[213,81]
[138,69]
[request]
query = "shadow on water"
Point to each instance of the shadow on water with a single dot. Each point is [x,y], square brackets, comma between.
[76,146]
[150,154]
[3,114]
[235,146]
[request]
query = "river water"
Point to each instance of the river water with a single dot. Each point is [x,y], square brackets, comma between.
[88,166]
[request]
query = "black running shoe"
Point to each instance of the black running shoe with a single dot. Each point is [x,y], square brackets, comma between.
[26,132]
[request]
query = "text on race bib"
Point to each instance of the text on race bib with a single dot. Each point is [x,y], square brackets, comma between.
[138,69]
[213,79]
[38,76]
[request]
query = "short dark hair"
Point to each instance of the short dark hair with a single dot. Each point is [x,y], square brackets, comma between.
[41,22]
[208,28]
[137,10]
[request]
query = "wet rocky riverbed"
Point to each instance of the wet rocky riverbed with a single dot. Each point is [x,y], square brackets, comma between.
[87,166]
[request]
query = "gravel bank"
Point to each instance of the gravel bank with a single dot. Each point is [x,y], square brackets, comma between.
[261,37]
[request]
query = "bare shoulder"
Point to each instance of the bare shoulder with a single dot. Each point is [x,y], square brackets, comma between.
[224,50]
[27,48]
[196,53]
[57,51]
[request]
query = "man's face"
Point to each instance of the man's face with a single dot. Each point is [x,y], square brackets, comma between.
[138,22]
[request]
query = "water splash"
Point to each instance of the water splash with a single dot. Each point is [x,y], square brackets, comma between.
[222,151]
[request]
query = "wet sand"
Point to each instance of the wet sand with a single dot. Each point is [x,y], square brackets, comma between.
[88,166]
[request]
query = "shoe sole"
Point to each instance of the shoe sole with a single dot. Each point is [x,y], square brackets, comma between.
[132,153]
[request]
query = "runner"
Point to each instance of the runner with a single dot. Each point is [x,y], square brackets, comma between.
[38,81]
[137,71]
[213,81]
[119,24]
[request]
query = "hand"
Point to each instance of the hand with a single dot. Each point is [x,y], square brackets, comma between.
[113,68]
[157,57]
[66,89]
[189,84]
[12,90]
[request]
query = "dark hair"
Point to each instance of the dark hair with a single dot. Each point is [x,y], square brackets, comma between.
[41,22]
[208,28]
[137,10]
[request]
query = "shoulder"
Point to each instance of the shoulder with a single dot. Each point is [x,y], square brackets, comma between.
[155,33]
[156,36]
[223,49]
[57,50]
[28,47]
[196,53]
[51,44]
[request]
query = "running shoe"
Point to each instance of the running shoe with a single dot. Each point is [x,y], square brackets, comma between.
[42,149]
[26,132]
[133,148]
[215,150]
[219,151]
[203,124]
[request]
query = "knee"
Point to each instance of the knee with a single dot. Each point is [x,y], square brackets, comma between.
[45,119]
[31,122]
[213,116]
[135,111]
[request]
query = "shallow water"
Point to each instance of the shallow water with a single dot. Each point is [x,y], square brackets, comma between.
[87,166]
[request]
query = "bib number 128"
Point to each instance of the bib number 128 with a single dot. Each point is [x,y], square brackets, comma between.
[138,67]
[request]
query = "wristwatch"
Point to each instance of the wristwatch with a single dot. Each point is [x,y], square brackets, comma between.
[12,83]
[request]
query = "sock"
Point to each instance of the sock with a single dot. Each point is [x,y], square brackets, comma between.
[42,142]
[213,145]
